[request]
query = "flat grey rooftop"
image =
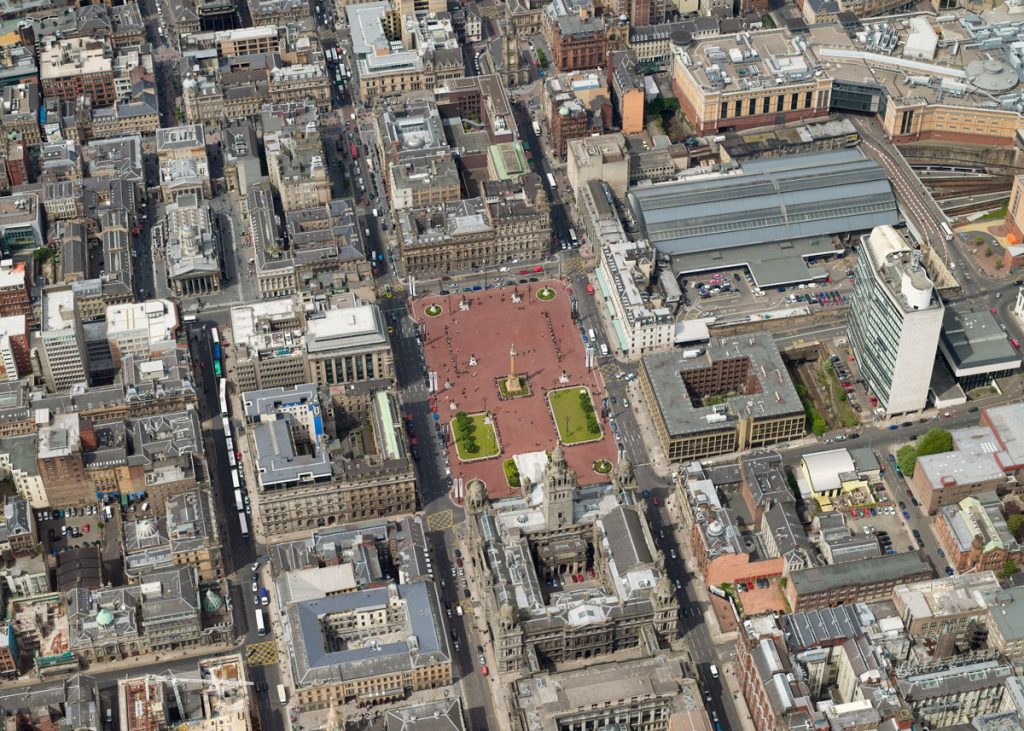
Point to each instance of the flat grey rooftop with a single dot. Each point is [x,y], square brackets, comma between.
[972,341]
[770,391]
[872,570]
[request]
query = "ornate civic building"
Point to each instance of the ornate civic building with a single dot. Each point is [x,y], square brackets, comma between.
[568,572]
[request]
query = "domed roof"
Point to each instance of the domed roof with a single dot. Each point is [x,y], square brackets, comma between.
[104,618]
[557,455]
[146,528]
[211,601]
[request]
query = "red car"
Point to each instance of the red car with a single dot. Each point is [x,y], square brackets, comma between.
[654,500]
[524,271]
[538,269]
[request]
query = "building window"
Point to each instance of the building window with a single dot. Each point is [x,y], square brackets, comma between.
[724,110]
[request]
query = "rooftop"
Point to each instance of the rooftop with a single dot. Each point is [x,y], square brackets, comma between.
[859,573]
[357,328]
[959,468]
[1007,423]
[762,390]
[952,595]
[979,517]
[777,201]
[377,53]
[899,268]
[186,137]
[74,56]
[544,699]
[410,634]
[157,319]
[748,61]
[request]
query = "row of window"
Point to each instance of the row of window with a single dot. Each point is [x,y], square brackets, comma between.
[749,107]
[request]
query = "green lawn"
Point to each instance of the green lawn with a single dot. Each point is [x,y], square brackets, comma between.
[480,434]
[575,421]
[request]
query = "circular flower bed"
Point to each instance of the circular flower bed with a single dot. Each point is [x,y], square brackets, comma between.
[547,294]
[602,467]
[433,310]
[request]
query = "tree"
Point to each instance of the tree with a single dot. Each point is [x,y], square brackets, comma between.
[1008,570]
[1016,525]
[906,458]
[934,441]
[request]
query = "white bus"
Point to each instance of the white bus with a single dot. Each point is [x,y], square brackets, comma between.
[244,525]
[190,319]
[282,696]
[946,231]
[261,628]
[551,182]
[536,128]
[234,480]
[572,237]
[590,332]
[224,397]
[239,503]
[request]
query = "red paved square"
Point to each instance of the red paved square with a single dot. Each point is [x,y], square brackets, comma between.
[547,343]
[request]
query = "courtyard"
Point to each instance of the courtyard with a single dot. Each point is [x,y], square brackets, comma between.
[472,341]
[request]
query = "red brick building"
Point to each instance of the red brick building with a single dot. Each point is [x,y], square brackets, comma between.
[75,67]
[974,535]
[17,167]
[15,351]
[15,298]
[760,664]
[577,39]
[569,121]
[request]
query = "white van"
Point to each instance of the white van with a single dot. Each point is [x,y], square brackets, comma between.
[604,349]
[714,671]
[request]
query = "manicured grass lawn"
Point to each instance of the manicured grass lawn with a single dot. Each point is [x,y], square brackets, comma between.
[483,435]
[572,418]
